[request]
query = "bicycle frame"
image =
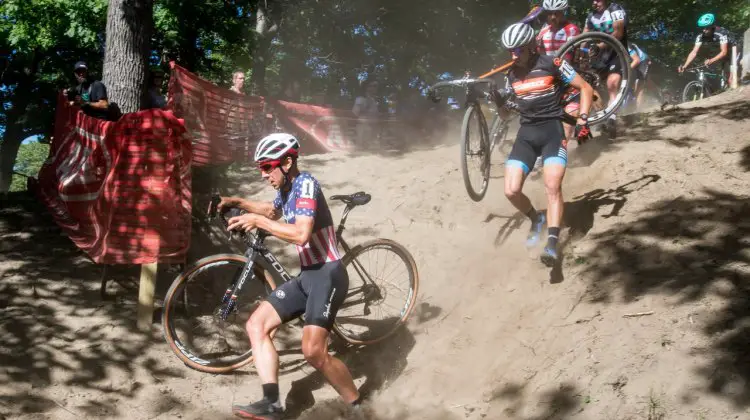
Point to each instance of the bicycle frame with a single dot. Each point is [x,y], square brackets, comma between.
[257,249]
[704,75]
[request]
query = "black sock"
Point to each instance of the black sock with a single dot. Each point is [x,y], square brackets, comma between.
[533,215]
[554,234]
[271,392]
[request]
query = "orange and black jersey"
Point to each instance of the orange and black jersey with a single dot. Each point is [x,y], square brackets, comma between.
[539,91]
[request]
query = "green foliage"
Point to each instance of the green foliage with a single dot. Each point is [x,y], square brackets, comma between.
[30,158]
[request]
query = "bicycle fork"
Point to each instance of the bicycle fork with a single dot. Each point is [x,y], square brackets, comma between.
[229,301]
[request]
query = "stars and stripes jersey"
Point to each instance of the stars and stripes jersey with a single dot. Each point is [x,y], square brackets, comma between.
[550,41]
[538,91]
[305,198]
[605,21]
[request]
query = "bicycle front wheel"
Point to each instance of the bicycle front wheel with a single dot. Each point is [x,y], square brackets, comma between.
[191,319]
[593,71]
[383,285]
[475,152]
[694,91]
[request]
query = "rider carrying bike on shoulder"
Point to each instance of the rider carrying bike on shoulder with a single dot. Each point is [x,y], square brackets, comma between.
[556,32]
[714,34]
[537,83]
[317,292]
[611,19]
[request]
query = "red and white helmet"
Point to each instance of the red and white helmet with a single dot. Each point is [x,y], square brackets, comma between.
[276,146]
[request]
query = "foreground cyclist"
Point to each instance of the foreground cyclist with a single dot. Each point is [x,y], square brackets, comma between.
[556,32]
[317,292]
[538,82]
[714,34]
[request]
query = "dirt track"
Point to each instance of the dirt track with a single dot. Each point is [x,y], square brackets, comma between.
[656,222]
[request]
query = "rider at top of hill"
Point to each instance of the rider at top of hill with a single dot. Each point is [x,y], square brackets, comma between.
[533,18]
[557,31]
[713,34]
[611,19]
[640,62]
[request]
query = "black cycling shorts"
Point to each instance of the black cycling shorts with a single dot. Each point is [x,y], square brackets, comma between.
[544,138]
[317,292]
[611,64]
[641,72]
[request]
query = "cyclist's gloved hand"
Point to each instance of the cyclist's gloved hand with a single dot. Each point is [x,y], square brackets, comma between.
[583,132]
[500,97]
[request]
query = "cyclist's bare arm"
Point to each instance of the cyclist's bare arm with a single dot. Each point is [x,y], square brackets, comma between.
[587,93]
[690,57]
[619,30]
[722,53]
[263,208]
[298,233]
[636,60]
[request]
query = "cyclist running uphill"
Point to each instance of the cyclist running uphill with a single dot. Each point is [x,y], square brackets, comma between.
[611,19]
[640,64]
[714,34]
[551,37]
[317,292]
[537,83]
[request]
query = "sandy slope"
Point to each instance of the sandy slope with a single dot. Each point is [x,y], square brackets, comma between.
[656,222]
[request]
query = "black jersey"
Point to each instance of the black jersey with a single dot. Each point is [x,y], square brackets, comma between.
[539,91]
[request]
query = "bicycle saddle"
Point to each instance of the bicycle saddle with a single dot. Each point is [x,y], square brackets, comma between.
[357,199]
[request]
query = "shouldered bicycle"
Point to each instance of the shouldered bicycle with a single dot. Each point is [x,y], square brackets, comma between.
[587,50]
[207,306]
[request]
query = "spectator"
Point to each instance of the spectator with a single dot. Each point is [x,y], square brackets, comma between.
[238,82]
[367,104]
[367,112]
[91,96]
[155,97]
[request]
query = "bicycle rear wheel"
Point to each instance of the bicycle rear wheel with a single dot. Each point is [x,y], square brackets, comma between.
[584,65]
[381,296]
[475,152]
[190,319]
[500,136]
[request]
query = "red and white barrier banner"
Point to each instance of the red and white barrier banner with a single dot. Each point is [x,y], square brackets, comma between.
[319,129]
[120,190]
[224,125]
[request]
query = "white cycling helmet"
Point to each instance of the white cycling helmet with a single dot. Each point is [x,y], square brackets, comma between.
[276,146]
[517,35]
[554,5]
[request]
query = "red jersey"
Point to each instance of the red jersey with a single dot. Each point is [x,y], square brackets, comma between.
[549,42]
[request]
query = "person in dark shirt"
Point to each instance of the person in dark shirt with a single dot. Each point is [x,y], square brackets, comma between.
[537,84]
[91,96]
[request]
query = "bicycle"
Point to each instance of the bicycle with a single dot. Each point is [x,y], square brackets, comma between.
[701,88]
[586,61]
[218,310]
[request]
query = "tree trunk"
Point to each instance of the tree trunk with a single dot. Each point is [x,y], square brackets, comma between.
[14,130]
[265,29]
[129,26]
[12,139]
